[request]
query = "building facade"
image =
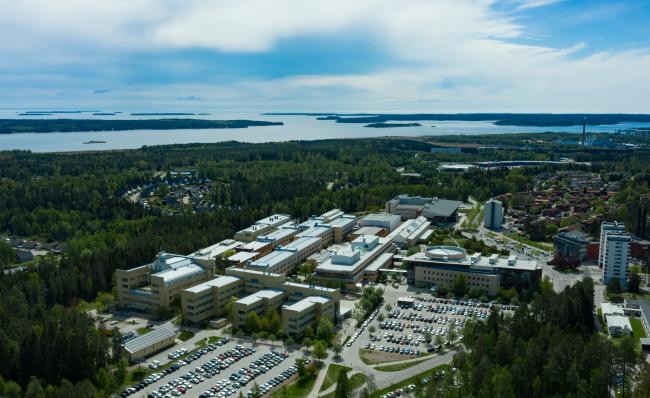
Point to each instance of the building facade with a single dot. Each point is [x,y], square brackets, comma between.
[442,265]
[614,252]
[493,214]
[571,244]
[159,284]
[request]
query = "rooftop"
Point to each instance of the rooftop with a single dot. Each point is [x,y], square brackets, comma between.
[452,255]
[216,282]
[262,294]
[306,303]
[368,231]
[144,341]
[242,256]
[322,288]
[441,208]
[217,249]
[183,271]
[271,259]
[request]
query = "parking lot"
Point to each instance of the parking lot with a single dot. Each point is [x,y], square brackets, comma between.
[221,370]
[402,332]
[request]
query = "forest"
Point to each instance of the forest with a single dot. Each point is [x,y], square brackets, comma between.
[73,198]
[14,126]
[550,349]
[505,119]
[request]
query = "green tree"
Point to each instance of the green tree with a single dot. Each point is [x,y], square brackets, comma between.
[319,351]
[459,286]
[337,348]
[633,282]
[343,388]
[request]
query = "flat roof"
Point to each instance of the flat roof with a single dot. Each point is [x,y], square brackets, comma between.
[343,221]
[302,243]
[381,217]
[379,262]
[481,263]
[441,207]
[255,245]
[275,219]
[250,271]
[180,272]
[368,231]
[155,336]
[216,282]
[283,232]
[362,263]
[611,309]
[314,232]
[306,303]
[262,294]
[322,288]
[242,256]
[217,249]
[271,259]
[620,321]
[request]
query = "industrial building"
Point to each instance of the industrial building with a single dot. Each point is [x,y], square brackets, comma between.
[158,284]
[148,344]
[441,265]
[614,252]
[493,214]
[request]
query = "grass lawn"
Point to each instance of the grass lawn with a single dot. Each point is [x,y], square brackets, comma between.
[144,330]
[520,238]
[185,335]
[356,381]
[637,329]
[332,375]
[398,366]
[412,380]
[295,390]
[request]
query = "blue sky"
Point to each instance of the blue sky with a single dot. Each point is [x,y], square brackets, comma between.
[334,55]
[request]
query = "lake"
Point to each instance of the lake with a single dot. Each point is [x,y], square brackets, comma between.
[295,128]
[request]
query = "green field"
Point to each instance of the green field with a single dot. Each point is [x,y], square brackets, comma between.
[412,380]
[144,330]
[295,389]
[333,375]
[520,238]
[185,335]
[398,366]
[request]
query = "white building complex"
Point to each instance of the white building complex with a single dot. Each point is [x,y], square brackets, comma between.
[493,214]
[614,252]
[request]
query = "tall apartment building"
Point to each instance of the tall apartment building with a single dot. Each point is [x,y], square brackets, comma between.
[493,214]
[614,252]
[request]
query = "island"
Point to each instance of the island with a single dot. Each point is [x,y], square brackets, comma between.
[389,125]
[13,126]
[501,119]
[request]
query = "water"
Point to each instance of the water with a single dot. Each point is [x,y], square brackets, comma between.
[295,128]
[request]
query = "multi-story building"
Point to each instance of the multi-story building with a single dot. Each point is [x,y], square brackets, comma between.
[412,232]
[255,291]
[357,263]
[160,283]
[381,220]
[442,265]
[285,259]
[493,215]
[571,244]
[298,316]
[606,228]
[614,252]
[261,227]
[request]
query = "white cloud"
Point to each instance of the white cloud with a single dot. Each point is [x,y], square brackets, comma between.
[448,55]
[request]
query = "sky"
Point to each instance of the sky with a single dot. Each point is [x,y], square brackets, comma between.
[329,56]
